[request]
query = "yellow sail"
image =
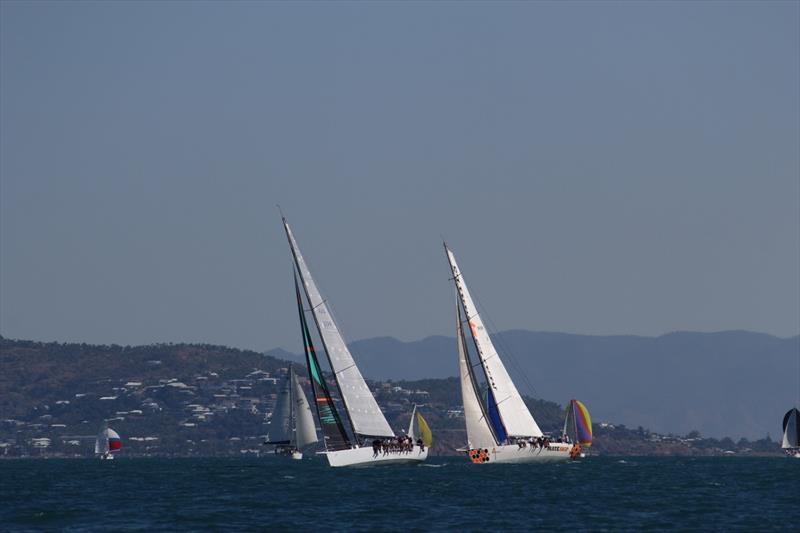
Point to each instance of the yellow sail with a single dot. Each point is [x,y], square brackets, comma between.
[424,431]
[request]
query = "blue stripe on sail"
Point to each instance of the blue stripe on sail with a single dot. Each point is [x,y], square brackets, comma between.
[494,418]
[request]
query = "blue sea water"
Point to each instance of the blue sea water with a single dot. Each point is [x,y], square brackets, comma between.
[597,494]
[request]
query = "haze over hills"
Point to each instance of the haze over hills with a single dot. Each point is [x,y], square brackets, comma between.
[730,383]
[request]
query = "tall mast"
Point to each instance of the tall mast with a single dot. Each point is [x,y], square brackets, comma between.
[366,417]
[327,414]
[486,375]
[293,434]
[513,415]
[316,323]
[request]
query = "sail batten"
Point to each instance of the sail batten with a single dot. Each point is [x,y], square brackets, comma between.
[365,416]
[513,414]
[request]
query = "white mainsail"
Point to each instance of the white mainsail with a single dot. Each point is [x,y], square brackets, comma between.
[479,435]
[101,442]
[365,415]
[280,425]
[516,417]
[413,426]
[305,431]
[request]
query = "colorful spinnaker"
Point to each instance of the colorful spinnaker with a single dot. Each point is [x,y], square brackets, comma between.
[581,423]
[419,429]
[107,442]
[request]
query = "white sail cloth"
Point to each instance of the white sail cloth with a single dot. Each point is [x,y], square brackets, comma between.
[791,432]
[479,435]
[280,425]
[305,431]
[515,415]
[365,415]
[101,442]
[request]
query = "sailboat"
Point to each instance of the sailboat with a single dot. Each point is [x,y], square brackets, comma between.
[581,428]
[107,442]
[292,424]
[791,433]
[369,437]
[500,429]
[418,429]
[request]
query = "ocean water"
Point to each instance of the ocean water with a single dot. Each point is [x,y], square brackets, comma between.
[596,493]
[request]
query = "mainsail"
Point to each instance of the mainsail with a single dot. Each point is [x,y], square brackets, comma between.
[791,429]
[516,418]
[305,432]
[280,426]
[101,442]
[479,434]
[365,415]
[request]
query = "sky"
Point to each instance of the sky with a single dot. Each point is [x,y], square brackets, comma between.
[597,167]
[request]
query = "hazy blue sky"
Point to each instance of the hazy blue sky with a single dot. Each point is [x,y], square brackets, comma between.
[597,167]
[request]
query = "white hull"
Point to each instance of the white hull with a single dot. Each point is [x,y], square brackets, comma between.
[366,457]
[297,455]
[106,457]
[512,453]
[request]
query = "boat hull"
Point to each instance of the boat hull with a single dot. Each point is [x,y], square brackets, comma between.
[514,454]
[365,456]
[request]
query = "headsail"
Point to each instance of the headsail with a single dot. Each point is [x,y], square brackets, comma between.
[791,429]
[329,420]
[280,425]
[516,417]
[479,433]
[494,417]
[365,415]
[305,432]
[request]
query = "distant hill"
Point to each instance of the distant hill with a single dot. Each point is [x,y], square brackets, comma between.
[731,383]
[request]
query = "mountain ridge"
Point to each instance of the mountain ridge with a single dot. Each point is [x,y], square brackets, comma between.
[723,383]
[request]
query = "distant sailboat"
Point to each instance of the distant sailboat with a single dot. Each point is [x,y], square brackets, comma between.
[791,433]
[292,424]
[580,429]
[418,429]
[107,442]
[367,424]
[501,430]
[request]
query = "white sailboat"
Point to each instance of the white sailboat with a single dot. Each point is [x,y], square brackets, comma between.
[791,433]
[107,443]
[362,445]
[292,424]
[501,429]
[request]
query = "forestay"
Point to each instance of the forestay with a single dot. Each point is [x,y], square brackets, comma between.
[515,415]
[305,431]
[365,415]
